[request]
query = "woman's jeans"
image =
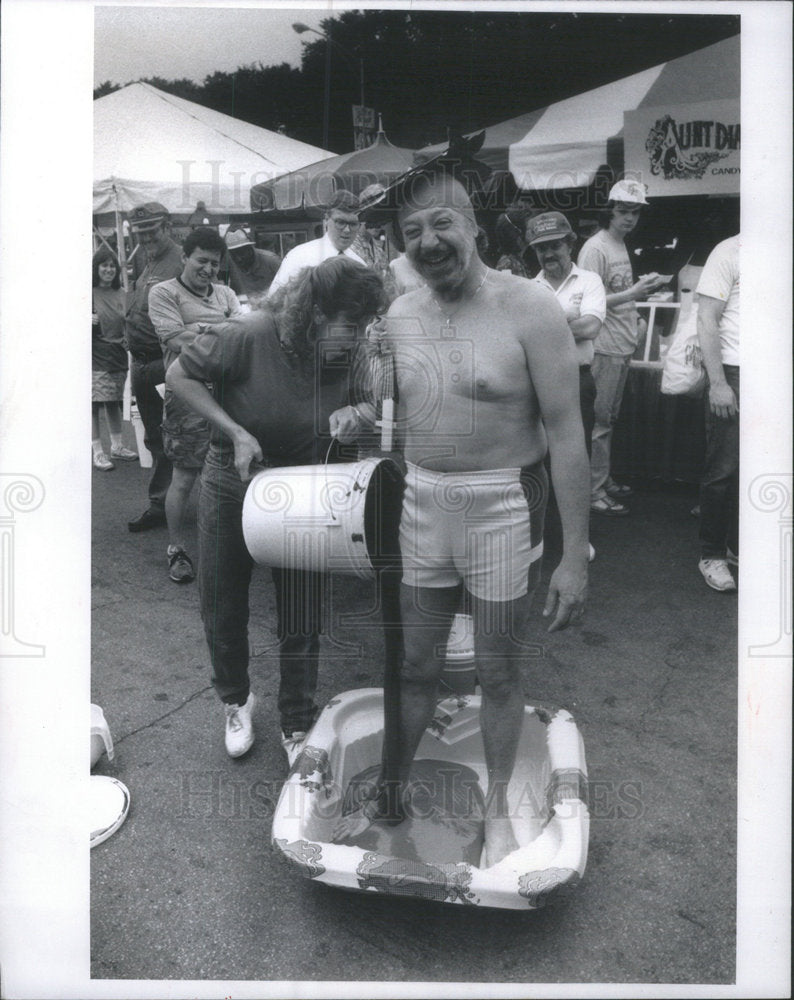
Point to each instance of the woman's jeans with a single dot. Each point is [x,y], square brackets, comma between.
[719,487]
[224,578]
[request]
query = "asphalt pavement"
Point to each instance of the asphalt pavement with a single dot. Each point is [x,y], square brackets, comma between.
[189,888]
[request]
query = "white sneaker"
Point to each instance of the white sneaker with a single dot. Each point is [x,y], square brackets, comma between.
[292,745]
[239,728]
[716,574]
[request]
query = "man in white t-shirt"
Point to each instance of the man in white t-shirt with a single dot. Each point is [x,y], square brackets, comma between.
[341,228]
[718,332]
[606,254]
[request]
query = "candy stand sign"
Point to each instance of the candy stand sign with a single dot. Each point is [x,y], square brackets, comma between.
[685,149]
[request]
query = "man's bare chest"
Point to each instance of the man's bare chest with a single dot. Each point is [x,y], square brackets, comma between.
[478,364]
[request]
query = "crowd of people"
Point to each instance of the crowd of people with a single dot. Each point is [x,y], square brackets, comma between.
[503,381]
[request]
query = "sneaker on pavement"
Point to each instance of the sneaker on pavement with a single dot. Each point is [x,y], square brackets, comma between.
[292,743]
[239,728]
[124,454]
[609,507]
[619,491]
[716,574]
[102,462]
[180,567]
[148,519]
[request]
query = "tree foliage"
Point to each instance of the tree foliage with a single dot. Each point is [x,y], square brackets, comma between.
[429,71]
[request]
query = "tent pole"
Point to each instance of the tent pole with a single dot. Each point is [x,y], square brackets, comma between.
[121,250]
[120,247]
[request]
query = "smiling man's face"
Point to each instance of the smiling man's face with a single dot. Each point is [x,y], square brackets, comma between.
[440,232]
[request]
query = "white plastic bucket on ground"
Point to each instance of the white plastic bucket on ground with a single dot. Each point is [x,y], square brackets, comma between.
[332,518]
[460,670]
[101,740]
[144,455]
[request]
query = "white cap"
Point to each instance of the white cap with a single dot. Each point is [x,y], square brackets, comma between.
[236,239]
[628,191]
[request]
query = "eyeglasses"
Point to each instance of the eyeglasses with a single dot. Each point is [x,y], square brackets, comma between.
[345,224]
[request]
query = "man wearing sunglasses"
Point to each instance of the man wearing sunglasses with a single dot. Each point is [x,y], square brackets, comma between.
[341,228]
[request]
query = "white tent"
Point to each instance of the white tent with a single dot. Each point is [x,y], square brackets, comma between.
[152,146]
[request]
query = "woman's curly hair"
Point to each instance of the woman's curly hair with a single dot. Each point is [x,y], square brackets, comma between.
[337,285]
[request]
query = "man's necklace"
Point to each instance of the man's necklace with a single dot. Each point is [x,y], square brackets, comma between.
[450,316]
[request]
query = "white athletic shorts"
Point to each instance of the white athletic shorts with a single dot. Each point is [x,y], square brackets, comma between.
[482,528]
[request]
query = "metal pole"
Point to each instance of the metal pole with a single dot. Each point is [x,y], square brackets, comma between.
[361,68]
[327,105]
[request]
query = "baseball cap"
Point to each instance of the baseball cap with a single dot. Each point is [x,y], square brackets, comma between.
[548,226]
[237,239]
[631,192]
[148,216]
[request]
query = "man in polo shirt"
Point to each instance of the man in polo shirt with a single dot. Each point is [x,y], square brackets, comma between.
[606,254]
[341,228]
[581,295]
[179,308]
[151,225]
[250,270]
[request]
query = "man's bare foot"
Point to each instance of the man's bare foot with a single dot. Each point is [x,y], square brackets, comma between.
[371,810]
[499,839]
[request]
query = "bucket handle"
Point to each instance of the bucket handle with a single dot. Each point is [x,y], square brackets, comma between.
[334,518]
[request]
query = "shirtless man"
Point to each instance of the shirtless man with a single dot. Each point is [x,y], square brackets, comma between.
[485,361]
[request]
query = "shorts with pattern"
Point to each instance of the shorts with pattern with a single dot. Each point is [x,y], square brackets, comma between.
[186,435]
[482,528]
[107,387]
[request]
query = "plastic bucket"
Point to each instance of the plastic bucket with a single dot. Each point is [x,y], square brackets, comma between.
[144,455]
[331,518]
[460,669]
[101,740]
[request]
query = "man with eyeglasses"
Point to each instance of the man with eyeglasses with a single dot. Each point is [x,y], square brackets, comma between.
[151,225]
[341,228]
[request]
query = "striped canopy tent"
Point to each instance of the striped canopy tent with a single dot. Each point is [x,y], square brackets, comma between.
[312,186]
[563,145]
[153,146]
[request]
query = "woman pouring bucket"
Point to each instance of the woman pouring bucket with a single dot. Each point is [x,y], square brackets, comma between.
[289,386]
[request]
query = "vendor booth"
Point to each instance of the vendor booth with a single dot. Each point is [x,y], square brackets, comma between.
[676,128]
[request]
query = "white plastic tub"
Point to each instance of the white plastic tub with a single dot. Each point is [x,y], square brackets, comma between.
[547,798]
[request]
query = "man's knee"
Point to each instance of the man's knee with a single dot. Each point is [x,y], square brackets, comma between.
[500,679]
[420,668]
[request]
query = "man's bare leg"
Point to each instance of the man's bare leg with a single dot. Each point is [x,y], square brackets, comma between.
[426,618]
[497,631]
